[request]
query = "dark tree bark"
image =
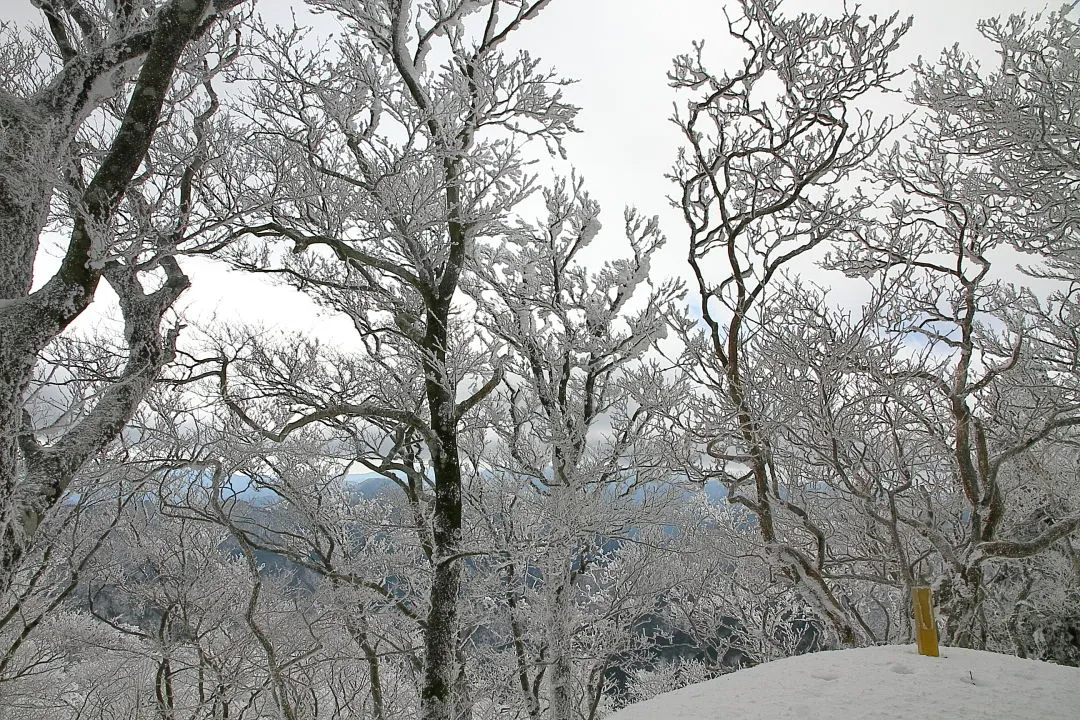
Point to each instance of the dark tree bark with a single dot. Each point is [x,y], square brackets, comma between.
[39,161]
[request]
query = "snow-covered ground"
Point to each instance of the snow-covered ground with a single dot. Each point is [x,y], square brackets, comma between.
[874,684]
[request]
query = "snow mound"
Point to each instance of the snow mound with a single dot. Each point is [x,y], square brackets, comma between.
[877,683]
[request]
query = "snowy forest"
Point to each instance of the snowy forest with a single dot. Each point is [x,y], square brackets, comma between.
[539,477]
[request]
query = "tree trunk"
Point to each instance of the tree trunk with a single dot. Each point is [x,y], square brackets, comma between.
[561,674]
[440,633]
[30,321]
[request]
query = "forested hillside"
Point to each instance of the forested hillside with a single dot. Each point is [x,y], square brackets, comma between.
[538,471]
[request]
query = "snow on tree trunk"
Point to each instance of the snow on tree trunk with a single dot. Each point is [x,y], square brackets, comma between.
[43,154]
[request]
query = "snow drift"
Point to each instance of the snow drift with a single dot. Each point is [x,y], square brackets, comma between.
[877,683]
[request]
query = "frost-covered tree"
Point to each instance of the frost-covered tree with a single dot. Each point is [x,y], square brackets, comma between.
[1019,122]
[181,604]
[758,182]
[978,365]
[924,437]
[388,156]
[1019,125]
[82,98]
[355,554]
[579,466]
[37,605]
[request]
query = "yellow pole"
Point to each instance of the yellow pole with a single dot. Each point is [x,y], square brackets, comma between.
[925,627]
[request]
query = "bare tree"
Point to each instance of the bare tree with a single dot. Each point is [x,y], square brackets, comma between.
[758,180]
[81,99]
[1019,123]
[577,419]
[389,170]
[982,370]
[41,593]
[977,382]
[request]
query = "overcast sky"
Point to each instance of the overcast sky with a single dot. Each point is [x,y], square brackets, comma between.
[620,52]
